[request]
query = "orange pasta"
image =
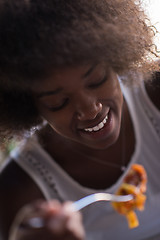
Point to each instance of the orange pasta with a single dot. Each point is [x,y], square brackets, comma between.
[134,183]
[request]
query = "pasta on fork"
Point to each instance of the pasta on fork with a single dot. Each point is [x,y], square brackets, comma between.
[134,183]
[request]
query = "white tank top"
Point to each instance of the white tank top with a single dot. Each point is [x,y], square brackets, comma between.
[101,222]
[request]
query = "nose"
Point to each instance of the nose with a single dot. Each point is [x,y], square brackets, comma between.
[87,107]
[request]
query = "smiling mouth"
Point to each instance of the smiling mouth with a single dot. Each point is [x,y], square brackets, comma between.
[98,126]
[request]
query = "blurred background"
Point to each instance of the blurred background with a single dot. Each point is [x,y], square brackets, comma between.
[153,11]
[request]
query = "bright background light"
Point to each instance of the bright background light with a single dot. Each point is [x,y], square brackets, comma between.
[153,11]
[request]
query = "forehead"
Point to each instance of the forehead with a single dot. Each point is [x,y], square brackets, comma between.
[66,76]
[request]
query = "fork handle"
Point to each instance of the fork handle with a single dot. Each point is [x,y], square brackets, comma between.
[38,222]
[83,202]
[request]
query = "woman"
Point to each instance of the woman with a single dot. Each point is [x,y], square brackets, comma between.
[63,69]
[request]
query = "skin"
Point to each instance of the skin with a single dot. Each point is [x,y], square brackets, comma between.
[74,99]
[60,222]
[77,98]
[86,107]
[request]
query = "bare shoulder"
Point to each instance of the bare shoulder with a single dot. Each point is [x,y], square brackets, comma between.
[17,189]
[153,89]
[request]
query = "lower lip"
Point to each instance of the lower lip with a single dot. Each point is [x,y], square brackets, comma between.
[103,132]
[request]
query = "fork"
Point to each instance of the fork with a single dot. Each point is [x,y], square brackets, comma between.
[85,201]
[38,222]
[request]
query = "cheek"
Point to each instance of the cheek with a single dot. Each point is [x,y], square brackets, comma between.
[113,92]
[119,99]
[117,89]
[112,89]
[60,122]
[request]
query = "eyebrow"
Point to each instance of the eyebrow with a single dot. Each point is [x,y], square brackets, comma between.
[58,90]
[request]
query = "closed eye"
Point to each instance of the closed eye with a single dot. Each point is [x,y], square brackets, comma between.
[97,84]
[59,107]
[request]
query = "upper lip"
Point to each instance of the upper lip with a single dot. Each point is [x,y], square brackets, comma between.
[94,123]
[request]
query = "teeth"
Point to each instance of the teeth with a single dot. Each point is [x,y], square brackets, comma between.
[98,127]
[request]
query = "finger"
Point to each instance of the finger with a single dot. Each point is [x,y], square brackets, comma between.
[70,220]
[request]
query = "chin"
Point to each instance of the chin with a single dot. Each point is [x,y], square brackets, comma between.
[102,145]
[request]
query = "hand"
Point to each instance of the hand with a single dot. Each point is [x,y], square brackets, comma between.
[52,220]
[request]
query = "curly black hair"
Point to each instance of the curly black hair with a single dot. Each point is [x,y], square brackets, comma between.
[37,36]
